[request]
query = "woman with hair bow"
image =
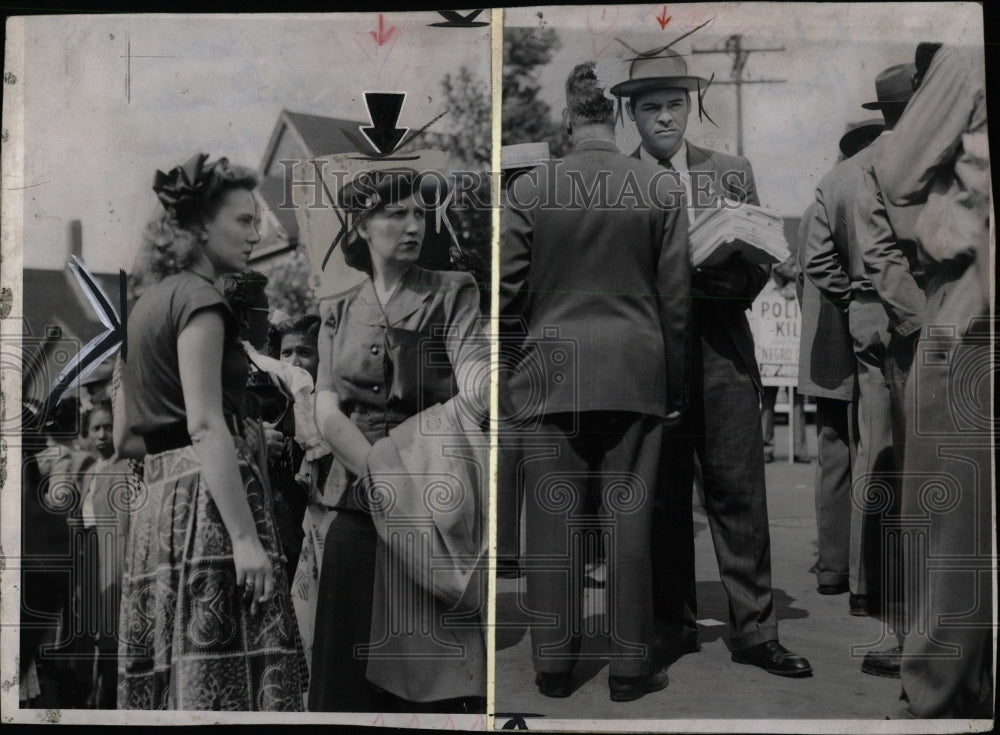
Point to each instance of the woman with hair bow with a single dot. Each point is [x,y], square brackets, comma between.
[401,367]
[206,618]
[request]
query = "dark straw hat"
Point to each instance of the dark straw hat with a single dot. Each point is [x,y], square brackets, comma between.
[893,86]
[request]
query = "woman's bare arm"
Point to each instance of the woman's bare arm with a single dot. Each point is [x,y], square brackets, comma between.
[199,352]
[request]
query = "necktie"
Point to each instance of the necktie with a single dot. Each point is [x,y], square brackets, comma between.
[665,162]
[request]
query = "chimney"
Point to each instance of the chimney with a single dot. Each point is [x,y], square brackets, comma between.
[75,239]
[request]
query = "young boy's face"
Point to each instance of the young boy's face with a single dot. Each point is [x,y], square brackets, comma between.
[99,431]
[300,350]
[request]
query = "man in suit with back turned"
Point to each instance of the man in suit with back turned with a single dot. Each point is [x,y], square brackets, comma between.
[594,264]
[722,423]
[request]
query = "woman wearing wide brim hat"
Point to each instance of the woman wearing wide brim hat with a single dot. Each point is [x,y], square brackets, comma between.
[400,341]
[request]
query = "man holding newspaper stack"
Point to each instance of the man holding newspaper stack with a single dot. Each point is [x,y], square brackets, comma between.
[722,423]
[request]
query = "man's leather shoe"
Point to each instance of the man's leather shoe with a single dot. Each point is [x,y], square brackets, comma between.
[832,589]
[883,663]
[628,688]
[508,568]
[774,658]
[862,605]
[557,685]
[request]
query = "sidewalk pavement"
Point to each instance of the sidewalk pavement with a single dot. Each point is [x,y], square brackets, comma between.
[707,685]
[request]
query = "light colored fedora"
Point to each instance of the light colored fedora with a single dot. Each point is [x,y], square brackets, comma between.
[666,70]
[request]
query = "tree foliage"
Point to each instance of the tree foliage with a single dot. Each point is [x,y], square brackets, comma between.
[288,283]
[525,117]
[466,135]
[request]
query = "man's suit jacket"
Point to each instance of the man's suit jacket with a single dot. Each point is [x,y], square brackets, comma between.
[937,163]
[833,258]
[826,353]
[887,241]
[713,175]
[603,290]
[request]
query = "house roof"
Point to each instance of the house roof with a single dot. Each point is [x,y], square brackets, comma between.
[320,135]
[311,135]
[58,322]
[54,298]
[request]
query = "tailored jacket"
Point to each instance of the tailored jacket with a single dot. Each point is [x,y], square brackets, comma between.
[826,351]
[887,240]
[594,286]
[715,175]
[938,162]
[833,258]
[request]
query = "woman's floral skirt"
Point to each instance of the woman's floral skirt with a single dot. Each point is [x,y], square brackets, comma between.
[188,641]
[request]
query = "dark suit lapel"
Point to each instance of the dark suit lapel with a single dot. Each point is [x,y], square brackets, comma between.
[700,162]
[699,159]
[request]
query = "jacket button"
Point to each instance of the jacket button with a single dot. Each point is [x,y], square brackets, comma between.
[375,389]
[374,349]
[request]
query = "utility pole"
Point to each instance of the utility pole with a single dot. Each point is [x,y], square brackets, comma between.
[734,47]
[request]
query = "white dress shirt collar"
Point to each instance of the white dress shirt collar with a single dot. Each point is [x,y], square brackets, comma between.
[679,160]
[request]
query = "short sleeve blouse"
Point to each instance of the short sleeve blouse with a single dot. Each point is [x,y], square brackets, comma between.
[396,360]
[152,372]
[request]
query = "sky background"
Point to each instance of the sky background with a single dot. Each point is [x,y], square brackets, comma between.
[832,55]
[213,84]
[217,84]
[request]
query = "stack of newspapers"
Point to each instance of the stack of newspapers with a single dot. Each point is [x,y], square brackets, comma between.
[753,232]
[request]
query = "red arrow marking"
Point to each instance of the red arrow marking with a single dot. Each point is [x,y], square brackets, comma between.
[662,18]
[383,34]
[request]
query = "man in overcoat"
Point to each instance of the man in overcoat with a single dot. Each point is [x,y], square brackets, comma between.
[834,262]
[827,373]
[934,177]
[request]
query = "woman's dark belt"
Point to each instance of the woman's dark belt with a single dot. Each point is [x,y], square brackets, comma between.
[175,436]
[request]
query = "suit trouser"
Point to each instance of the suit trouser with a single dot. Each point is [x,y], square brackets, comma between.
[510,498]
[721,426]
[603,475]
[875,482]
[835,439]
[946,530]
[898,363]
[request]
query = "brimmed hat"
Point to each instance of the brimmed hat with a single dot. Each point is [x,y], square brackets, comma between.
[666,70]
[352,183]
[859,135]
[893,86]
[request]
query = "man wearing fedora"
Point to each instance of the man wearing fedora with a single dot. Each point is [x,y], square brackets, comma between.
[602,290]
[828,373]
[888,249]
[722,424]
[835,265]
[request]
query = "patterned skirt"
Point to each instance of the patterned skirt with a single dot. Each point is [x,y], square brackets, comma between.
[188,641]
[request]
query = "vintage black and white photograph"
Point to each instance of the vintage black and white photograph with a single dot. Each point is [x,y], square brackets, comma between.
[744,309]
[588,368]
[248,261]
